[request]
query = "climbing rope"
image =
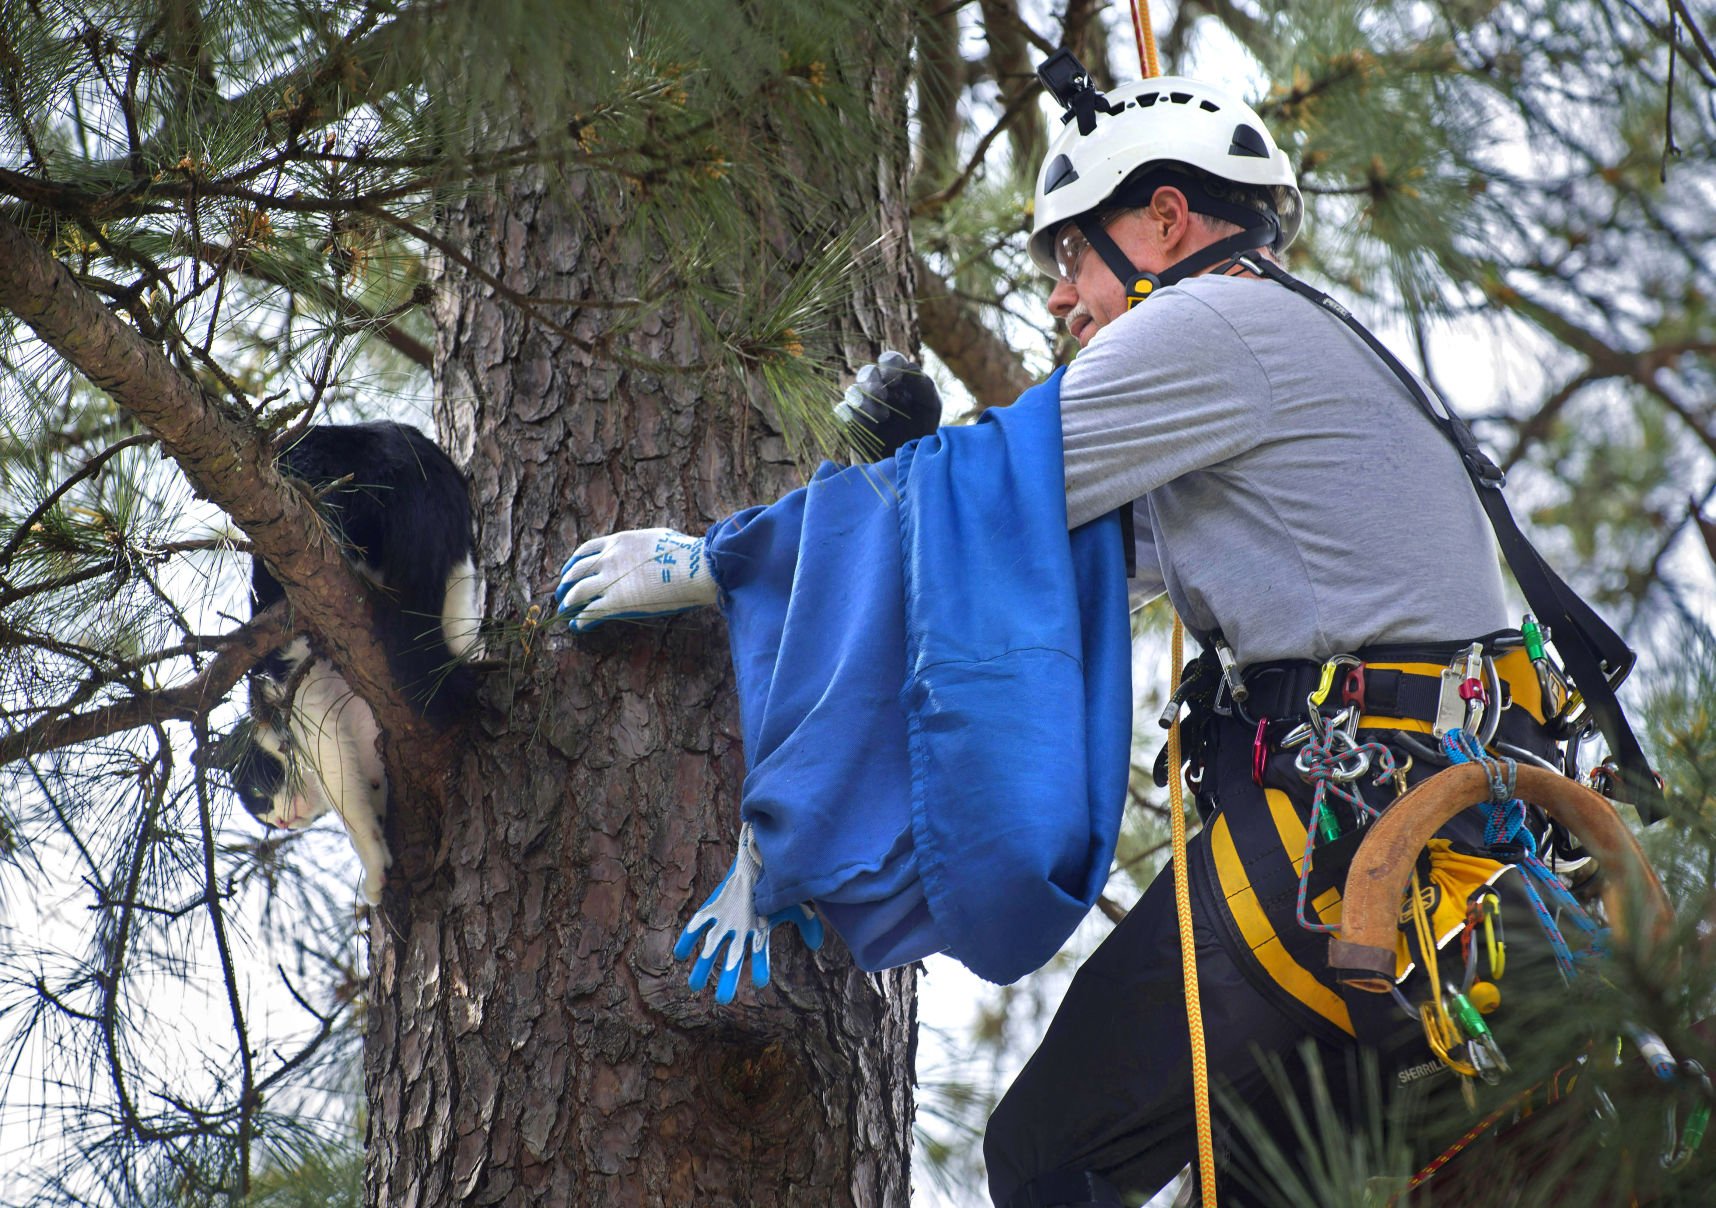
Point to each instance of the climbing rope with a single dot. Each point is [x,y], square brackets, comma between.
[1504,824]
[1146,38]
[1148,67]
[1188,949]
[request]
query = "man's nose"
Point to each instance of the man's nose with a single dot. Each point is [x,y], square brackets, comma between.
[1062,298]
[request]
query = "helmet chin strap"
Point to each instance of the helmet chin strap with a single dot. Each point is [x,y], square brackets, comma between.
[1140,284]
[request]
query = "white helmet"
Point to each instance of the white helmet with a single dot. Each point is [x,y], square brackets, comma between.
[1166,118]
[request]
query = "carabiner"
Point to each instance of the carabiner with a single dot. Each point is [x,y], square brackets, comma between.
[1680,1148]
[1495,941]
[1490,721]
[1326,680]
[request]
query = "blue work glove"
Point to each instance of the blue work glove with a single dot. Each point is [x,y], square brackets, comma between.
[632,575]
[892,402]
[729,919]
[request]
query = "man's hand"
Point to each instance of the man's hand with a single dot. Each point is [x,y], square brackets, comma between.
[634,574]
[892,402]
[730,918]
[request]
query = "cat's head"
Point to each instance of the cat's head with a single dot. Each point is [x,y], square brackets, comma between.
[258,760]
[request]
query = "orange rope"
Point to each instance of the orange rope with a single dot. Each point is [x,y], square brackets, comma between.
[1148,65]
[1188,949]
[1146,38]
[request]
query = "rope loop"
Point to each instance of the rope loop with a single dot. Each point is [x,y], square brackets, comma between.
[1504,822]
[1332,761]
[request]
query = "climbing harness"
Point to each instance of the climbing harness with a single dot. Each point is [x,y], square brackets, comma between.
[1596,656]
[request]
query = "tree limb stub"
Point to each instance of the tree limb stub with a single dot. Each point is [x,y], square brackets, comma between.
[226,460]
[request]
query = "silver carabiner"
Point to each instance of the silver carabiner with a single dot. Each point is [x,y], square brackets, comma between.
[1298,736]
[1490,721]
[1338,748]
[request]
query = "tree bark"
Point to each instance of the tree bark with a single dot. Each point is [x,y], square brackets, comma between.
[531,1040]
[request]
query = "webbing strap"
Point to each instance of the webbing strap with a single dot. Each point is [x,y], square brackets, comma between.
[1597,658]
[1140,284]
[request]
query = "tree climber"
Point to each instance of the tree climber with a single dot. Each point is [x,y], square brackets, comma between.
[1313,520]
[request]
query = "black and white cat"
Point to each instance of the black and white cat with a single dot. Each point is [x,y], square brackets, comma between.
[310,741]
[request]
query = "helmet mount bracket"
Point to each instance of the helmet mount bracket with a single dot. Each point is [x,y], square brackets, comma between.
[1070,84]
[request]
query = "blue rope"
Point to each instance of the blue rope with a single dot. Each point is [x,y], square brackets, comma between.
[1504,819]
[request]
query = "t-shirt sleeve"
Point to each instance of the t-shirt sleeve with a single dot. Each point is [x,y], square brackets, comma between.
[1167,388]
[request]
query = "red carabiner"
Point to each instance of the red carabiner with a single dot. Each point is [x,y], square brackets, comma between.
[1352,688]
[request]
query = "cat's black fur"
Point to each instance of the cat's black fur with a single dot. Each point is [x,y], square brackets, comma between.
[405,518]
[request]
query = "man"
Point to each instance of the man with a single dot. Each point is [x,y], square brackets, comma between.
[1307,517]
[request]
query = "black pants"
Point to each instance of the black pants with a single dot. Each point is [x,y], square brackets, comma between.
[1109,1087]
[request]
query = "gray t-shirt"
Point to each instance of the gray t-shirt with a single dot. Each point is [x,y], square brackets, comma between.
[1291,493]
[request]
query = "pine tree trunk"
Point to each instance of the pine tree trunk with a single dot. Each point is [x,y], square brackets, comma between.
[531,1039]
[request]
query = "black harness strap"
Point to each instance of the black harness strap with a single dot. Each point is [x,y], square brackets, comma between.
[1140,284]
[1597,658]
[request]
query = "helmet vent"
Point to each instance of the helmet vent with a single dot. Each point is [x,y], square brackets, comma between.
[1061,172]
[1147,100]
[1248,142]
[1209,106]
[1180,98]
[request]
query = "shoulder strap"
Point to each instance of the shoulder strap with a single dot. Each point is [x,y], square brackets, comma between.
[1595,655]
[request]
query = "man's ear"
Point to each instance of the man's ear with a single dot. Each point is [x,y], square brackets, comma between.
[1170,217]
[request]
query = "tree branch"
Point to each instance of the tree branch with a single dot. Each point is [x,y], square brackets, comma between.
[88,469]
[1016,77]
[350,311]
[1697,34]
[188,701]
[940,75]
[366,64]
[990,369]
[225,459]
[935,201]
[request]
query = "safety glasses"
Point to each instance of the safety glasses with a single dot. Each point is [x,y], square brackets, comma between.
[1071,245]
